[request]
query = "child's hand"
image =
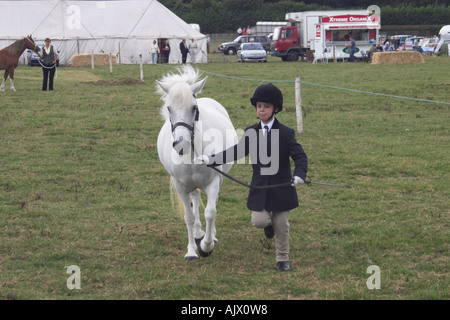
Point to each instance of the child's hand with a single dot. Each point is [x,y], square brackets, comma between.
[296,181]
[202,159]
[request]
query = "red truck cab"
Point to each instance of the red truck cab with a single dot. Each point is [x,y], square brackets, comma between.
[286,45]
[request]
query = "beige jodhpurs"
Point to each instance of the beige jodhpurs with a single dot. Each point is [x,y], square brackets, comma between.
[280,223]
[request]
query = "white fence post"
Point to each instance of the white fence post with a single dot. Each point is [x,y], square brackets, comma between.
[298,105]
[142,69]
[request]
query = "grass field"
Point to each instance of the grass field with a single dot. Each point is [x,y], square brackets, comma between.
[81,184]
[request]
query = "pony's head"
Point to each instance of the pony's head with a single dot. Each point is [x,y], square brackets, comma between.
[178,92]
[30,44]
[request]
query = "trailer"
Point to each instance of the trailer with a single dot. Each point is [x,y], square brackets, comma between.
[267,27]
[322,31]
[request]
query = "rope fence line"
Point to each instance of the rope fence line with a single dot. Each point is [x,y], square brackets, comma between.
[317,84]
[327,86]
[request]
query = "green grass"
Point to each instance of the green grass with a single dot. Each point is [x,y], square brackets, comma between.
[81,184]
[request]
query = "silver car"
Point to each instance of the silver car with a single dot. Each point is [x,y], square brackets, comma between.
[251,52]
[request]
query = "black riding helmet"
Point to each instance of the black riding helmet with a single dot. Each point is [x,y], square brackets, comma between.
[268,93]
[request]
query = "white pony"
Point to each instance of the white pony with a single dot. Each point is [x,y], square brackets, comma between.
[193,127]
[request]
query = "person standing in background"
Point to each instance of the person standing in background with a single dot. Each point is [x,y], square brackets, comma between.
[48,63]
[184,51]
[166,51]
[154,50]
[193,50]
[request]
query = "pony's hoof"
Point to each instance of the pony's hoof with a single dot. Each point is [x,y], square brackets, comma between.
[199,248]
[191,257]
[204,254]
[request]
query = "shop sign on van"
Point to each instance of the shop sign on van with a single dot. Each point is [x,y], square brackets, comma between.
[350,18]
[351,21]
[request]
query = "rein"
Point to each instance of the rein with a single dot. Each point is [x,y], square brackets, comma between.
[39,60]
[273,186]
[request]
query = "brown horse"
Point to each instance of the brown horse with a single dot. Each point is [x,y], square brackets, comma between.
[9,58]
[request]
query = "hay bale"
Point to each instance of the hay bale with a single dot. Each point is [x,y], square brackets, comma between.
[100,59]
[398,57]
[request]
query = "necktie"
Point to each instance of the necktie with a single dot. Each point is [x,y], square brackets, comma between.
[266,131]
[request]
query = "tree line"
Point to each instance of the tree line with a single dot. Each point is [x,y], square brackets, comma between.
[221,16]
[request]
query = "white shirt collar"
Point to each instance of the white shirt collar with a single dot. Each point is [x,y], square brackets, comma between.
[270,124]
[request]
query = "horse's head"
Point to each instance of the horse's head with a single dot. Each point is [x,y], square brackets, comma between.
[30,44]
[183,112]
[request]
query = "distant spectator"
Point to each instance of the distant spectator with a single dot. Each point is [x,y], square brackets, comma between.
[387,46]
[239,31]
[184,50]
[154,50]
[192,46]
[372,50]
[48,58]
[352,47]
[166,51]
[379,47]
[396,42]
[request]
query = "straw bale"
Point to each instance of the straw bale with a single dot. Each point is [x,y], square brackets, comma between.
[100,59]
[399,57]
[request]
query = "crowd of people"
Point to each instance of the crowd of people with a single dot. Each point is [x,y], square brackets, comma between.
[244,31]
[395,44]
[162,50]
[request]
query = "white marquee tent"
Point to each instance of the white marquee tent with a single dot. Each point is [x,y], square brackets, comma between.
[125,28]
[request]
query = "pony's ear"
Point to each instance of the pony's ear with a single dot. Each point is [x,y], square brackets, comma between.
[163,86]
[198,86]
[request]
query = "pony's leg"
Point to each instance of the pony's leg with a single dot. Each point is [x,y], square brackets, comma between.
[2,87]
[11,80]
[212,191]
[189,219]
[198,232]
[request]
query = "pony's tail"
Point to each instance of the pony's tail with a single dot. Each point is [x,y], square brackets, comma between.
[177,204]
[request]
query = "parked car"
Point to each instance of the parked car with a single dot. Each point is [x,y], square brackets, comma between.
[251,52]
[33,58]
[231,48]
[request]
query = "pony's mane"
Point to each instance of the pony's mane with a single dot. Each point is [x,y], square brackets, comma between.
[16,46]
[180,91]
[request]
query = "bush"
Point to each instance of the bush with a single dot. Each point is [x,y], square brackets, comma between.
[218,16]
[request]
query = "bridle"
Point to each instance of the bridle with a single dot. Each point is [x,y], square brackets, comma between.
[33,43]
[184,124]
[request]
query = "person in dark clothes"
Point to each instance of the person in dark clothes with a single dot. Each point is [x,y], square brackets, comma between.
[48,62]
[270,208]
[184,51]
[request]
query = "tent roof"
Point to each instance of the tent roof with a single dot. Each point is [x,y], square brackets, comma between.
[64,19]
